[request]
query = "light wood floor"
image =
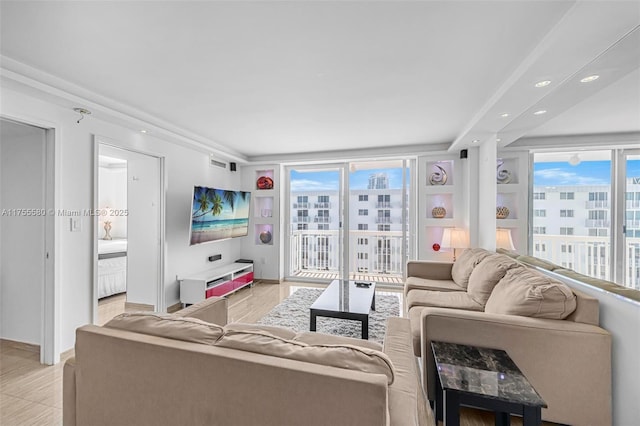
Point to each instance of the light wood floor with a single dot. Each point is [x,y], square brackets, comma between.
[31,393]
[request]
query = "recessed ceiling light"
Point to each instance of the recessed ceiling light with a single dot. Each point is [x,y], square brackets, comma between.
[505,115]
[498,139]
[542,111]
[143,131]
[590,78]
[543,83]
[475,141]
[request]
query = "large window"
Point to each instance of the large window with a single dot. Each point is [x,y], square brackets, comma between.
[581,233]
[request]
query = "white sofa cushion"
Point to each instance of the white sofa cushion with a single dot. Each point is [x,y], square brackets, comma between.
[465,263]
[486,275]
[529,293]
[169,326]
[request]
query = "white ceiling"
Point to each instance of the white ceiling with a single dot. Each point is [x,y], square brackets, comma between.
[269,78]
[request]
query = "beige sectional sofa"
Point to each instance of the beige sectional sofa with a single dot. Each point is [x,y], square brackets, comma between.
[192,368]
[550,330]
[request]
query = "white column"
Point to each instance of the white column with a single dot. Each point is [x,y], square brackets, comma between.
[487,194]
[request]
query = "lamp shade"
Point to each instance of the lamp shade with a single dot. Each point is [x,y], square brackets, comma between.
[454,238]
[503,239]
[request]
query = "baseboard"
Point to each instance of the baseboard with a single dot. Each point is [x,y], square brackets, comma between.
[174,308]
[20,345]
[265,281]
[128,307]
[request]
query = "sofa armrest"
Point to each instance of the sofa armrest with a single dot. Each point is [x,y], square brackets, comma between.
[561,359]
[69,393]
[213,310]
[429,270]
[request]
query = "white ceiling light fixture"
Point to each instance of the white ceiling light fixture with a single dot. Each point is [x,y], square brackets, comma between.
[540,112]
[475,141]
[543,83]
[143,131]
[590,78]
[574,160]
[505,115]
[82,112]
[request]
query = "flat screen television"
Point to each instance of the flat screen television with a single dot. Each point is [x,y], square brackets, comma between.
[218,214]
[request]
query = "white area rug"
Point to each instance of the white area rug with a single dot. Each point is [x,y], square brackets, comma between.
[293,313]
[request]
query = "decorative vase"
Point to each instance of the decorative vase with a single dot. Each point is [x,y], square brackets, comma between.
[264,182]
[502,212]
[438,177]
[438,212]
[265,237]
[502,176]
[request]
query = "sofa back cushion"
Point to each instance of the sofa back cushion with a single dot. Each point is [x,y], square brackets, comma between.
[465,263]
[169,326]
[526,292]
[486,275]
[349,357]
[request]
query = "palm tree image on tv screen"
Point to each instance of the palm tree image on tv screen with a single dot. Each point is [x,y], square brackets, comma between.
[218,214]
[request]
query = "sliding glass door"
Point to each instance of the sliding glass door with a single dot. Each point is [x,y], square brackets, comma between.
[631,227]
[349,220]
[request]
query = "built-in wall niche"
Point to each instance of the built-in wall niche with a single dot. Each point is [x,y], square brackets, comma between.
[440,173]
[263,207]
[264,234]
[433,240]
[506,206]
[439,206]
[507,171]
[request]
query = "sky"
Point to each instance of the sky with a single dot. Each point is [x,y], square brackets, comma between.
[585,173]
[319,181]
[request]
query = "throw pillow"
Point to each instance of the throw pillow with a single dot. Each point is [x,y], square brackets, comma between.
[465,263]
[169,326]
[526,292]
[486,275]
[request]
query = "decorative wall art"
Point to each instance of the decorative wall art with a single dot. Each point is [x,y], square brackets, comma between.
[502,176]
[438,177]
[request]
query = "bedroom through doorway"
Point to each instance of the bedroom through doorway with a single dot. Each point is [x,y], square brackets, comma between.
[128,232]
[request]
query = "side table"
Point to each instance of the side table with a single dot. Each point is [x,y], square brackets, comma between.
[482,378]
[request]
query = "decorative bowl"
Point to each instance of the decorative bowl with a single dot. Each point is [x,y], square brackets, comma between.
[438,212]
[502,212]
[264,182]
[265,237]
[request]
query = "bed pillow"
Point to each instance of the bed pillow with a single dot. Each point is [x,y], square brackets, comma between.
[349,357]
[526,292]
[171,327]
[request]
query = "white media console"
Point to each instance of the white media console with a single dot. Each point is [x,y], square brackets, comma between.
[215,282]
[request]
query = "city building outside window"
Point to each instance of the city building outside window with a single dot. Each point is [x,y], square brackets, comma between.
[566,213]
[567,196]
[539,230]
[363,212]
[539,196]
[363,227]
[363,198]
[566,230]
[540,213]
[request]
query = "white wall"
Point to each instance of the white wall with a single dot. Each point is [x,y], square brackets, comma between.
[487,193]
[22,160]
[112,192]
[185,168]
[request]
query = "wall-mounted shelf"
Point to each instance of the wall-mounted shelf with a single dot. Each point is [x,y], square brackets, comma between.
[215,282]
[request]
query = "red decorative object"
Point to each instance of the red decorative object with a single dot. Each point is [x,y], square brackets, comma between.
[265,182]
[436,247]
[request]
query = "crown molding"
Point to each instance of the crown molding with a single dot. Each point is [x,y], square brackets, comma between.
[24,78]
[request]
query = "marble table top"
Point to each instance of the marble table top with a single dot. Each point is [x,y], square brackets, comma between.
[490,373]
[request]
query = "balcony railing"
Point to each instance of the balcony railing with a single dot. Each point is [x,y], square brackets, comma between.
[383,219]
[301,219]
[301,205]
[383,205]
[597,204]
[322,219]
[597,223]
[633,204]
[309,256]
[589,255]
[326,205]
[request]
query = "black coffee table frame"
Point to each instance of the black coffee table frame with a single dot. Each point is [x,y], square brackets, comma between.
[355,313]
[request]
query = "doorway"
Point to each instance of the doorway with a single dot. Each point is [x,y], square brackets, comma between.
[349,220]
[27,232]
[129,203]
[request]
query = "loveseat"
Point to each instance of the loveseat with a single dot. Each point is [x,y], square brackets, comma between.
[192,368]
[549,329]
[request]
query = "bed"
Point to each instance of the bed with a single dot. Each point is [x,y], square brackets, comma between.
[112,267]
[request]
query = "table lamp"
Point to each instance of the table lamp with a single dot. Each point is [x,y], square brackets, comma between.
[503,239]
[454,238]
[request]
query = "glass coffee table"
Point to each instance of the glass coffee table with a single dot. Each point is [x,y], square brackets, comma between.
[483,378]
[345,300]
